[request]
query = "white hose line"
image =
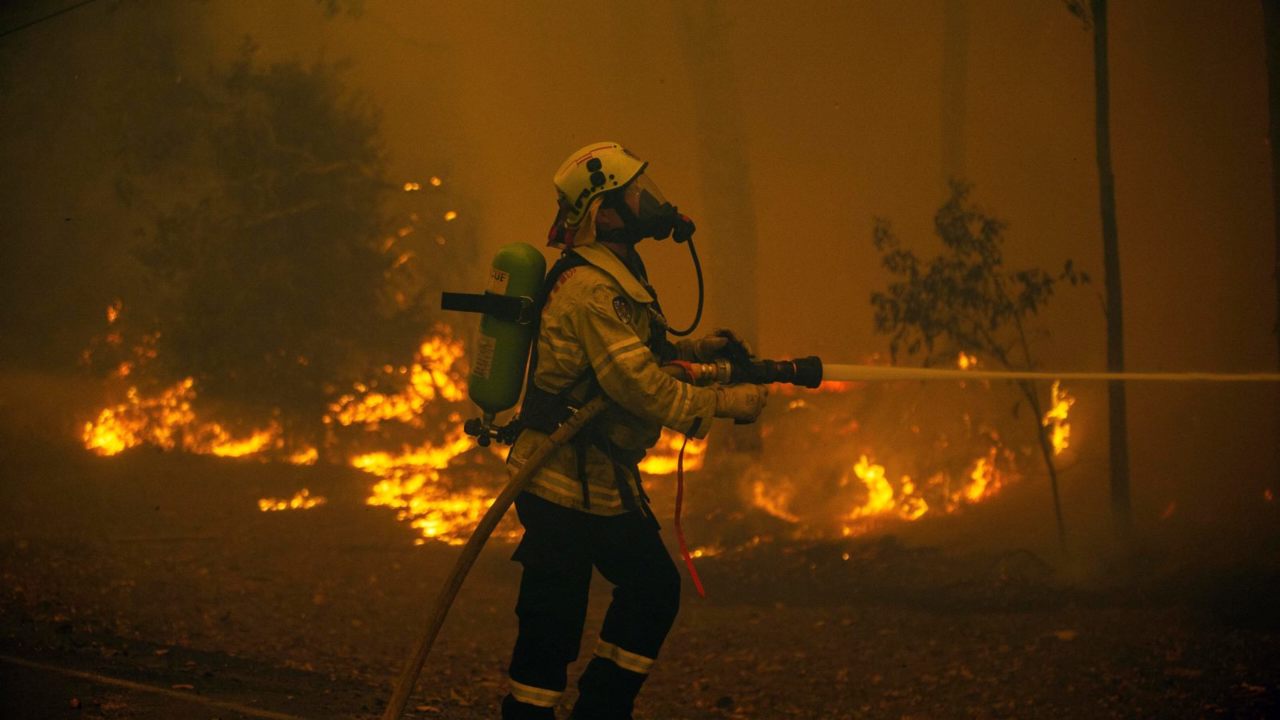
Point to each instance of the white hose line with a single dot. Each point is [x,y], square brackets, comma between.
[847,373]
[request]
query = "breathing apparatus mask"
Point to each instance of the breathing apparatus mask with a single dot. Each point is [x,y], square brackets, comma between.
[645,213]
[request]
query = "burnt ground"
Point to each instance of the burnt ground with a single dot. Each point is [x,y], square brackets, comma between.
[156,579]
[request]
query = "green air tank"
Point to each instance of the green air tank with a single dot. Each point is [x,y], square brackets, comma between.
[502,347]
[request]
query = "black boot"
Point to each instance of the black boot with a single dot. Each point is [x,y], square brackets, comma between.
[606,692]
[513,709]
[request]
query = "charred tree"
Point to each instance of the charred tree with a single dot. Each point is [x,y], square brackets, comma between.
[1271,29]
[1271,32]
[1121,505]
[1093,13]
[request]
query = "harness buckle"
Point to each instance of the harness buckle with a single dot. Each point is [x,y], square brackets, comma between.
[527,314]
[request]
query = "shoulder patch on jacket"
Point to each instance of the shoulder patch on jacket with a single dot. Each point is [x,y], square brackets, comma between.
[622,308]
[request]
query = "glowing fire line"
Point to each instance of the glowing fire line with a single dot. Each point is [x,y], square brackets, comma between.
[302,500]
[412,481]
[409,481]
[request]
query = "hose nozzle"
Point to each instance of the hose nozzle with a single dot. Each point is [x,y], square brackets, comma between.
[805,372]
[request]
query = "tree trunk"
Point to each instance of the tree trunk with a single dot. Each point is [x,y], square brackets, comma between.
[1046,451]
[1271,31]
[1271,28]
[955,75]
[1120,501]
[728,220]
[724,169]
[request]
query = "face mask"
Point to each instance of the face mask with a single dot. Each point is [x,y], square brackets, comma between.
[645,213]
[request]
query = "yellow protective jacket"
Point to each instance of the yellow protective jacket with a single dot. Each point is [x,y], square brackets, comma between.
[599,317]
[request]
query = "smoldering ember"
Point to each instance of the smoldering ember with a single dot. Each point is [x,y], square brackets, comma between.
[882,360]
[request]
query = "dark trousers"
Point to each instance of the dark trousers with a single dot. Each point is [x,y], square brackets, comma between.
[559,549]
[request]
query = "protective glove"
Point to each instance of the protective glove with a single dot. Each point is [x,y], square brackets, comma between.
[721,343]
[743,403]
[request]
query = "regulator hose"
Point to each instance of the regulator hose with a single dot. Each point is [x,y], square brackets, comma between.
[697,269]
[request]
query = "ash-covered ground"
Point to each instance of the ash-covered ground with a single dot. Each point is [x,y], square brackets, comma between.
[160,570]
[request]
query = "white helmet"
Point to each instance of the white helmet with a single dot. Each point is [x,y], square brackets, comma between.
[595,169]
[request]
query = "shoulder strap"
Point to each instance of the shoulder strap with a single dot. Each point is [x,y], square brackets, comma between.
[568,260]
[543,410]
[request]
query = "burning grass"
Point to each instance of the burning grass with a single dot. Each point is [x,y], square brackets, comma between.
[837,463]
[409,478]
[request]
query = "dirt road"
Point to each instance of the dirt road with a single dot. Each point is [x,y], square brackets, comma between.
[150,586]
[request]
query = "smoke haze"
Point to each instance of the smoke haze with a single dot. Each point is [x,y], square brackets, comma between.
[826,117]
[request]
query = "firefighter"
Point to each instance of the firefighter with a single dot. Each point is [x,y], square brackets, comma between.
[602,331]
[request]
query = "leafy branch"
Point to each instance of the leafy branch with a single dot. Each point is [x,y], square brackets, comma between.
[964,299]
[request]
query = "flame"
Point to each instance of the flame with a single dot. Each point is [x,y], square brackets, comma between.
[304,456]
[412,186]
[432,376]
[1268,495]
[422,482]
[223,445]
[409,480]
[774,500]
[451,215]
[911,506]
[877,496]
[411,483]
[413,480]
[983,481]
[665,455]
[1055,418]
[883,500]
[301,500]
[152,420]
[167,421]
[869,492]
[879,491]
[113,311]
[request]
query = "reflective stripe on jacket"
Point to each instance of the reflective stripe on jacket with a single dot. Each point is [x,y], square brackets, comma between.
[599,317]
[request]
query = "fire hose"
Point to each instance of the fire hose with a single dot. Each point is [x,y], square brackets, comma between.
[471,551]
[806,372]
[811,372]
[510,308]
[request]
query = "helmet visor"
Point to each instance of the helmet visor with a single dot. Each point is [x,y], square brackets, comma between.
[644,197]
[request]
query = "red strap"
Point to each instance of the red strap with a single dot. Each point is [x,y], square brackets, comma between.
[684,549]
